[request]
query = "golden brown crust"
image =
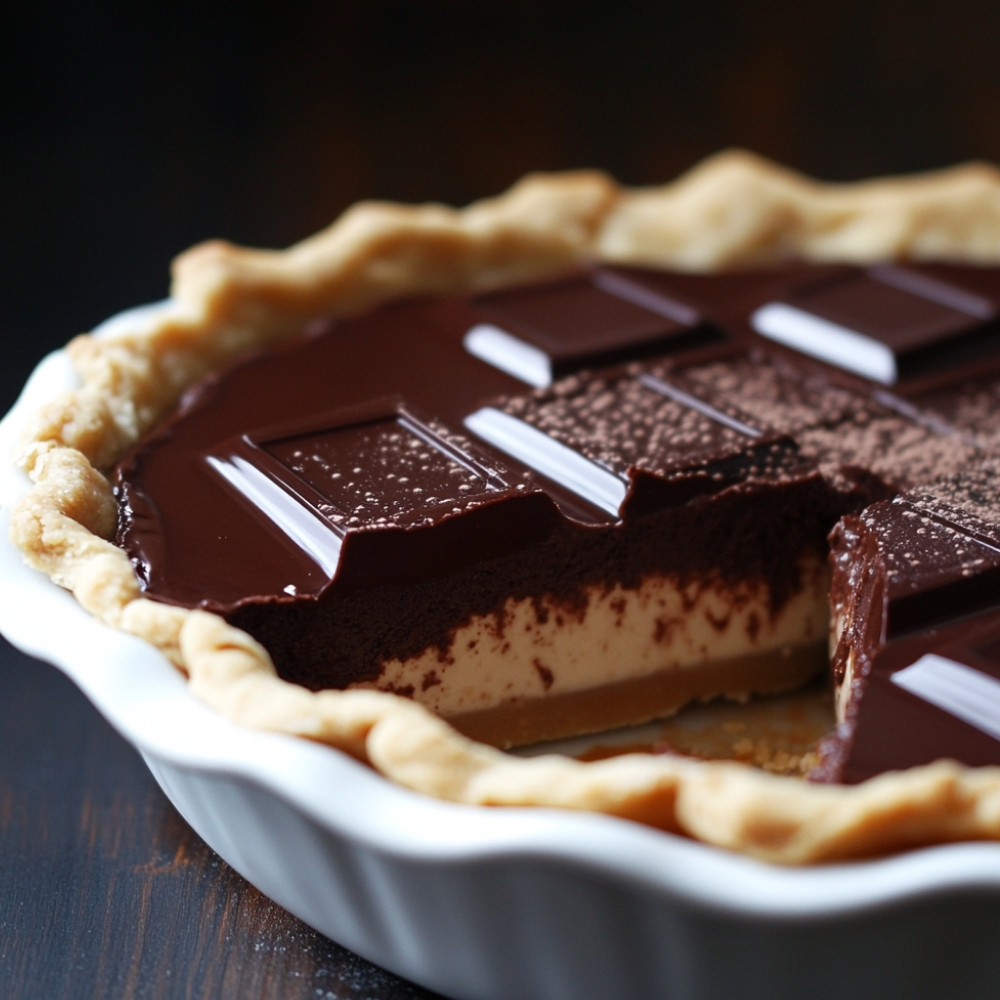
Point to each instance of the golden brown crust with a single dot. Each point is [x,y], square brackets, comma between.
[733,209]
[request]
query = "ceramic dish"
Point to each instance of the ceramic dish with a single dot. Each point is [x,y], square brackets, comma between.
[508,904]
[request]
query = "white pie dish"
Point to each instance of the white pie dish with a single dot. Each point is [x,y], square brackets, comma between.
[511,903]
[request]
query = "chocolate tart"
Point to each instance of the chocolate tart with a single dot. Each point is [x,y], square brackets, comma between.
[732,215]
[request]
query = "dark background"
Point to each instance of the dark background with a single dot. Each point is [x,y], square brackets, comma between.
[131,130]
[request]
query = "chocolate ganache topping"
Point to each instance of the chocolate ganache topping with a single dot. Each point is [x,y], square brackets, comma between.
[376,484]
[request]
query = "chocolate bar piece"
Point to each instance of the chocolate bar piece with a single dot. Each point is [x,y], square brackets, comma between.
[371,467]
[924,558]
[867,441]
[930,696]
[887,323]
[604,317]
[970,405]
[662,444]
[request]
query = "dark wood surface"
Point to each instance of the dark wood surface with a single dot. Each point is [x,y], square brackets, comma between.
[105,892]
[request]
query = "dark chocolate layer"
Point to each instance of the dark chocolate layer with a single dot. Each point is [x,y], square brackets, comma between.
[409,358]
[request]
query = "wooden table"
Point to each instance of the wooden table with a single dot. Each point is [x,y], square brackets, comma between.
[105,892]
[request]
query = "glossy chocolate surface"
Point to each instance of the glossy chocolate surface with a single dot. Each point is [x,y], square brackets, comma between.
[372,485]
[607,318]
[929,695]
[890,322]
[934,568]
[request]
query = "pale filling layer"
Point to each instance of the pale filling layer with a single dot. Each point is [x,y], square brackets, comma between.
[628,656]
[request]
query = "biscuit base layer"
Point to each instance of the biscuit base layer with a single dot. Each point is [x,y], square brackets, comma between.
[642,699]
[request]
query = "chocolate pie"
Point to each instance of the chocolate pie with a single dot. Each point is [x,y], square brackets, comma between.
[568,460]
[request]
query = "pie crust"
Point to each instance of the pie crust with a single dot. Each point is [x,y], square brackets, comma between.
[733,209]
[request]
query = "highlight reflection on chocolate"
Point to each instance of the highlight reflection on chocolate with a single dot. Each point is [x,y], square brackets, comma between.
[886,323]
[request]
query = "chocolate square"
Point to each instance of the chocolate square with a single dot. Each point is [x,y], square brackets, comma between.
[540,333]
[928,696]
[372,467]
[938,548]
[936,571]
[635,439]
[887,322]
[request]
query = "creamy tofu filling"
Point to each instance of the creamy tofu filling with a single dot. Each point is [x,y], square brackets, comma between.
[533,673]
